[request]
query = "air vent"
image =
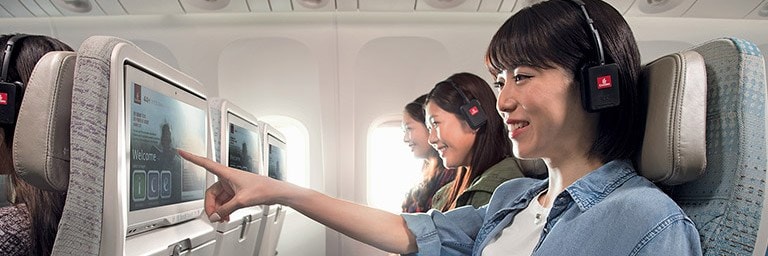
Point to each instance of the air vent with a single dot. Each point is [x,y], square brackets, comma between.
[444,4]
[78,6]
[313,4]
[763,12]
[211,5]
[658,6]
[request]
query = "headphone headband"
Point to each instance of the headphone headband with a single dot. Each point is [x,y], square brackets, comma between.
[8,53]
[453,84]
[595,33]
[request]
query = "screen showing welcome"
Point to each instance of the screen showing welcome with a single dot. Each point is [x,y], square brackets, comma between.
[243,148]
[159,125]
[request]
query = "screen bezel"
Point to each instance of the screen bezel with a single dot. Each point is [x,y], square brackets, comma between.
[234,115]
[152,81]
[275,138]
[114,219]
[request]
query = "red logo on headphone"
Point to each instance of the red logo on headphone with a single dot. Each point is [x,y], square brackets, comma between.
[3,98]
[604,82]
[473,110]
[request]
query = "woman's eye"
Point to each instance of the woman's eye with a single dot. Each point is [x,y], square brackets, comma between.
[499,84]
[519,78]
[501,79]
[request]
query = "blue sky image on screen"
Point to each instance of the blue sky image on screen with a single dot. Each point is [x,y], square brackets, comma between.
[276,162]
[243,149]
[160,125]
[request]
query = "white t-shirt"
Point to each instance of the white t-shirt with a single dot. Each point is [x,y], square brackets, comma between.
[522,235]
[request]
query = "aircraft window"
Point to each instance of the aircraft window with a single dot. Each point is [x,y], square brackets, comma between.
[297,141]
[392,169]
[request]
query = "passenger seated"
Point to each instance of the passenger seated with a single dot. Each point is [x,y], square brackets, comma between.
[593,203]
[28,226]
[469,136]
[435,175]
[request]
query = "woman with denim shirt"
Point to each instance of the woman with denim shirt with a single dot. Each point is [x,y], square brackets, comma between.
[593,202]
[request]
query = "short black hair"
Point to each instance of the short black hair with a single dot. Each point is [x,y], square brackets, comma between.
[555,33]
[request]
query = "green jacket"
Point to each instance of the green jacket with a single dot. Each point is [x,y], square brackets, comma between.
[479,193]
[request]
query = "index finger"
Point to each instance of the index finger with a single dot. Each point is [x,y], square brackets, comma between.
[213,167]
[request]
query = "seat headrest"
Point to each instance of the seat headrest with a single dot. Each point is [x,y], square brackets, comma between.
[41,139]
[674,146]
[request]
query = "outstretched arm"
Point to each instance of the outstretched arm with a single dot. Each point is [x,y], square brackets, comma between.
[237,189]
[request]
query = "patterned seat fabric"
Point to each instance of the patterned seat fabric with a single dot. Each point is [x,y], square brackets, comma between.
[726,203]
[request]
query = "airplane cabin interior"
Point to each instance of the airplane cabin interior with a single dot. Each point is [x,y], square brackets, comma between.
[300,90]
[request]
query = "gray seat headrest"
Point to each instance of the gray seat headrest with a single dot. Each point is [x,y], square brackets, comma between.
[674,146]
[41,139]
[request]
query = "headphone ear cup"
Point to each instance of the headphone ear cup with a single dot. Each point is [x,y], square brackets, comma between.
[8,92]
[473,114]
[600,88]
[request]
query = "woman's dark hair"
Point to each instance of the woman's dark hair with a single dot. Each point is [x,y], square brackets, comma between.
[491,143]
[432,168]
[555,33]
[44,207]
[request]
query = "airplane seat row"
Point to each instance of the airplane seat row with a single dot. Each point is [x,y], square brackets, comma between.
[103,126]
[705,141]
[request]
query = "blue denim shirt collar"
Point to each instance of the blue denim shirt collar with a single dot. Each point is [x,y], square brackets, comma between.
[584,192]
[595,186]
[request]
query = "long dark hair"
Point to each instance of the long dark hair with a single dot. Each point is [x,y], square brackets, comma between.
[44,207]
[432,168]
[556,33]
[491,144]
[433,164]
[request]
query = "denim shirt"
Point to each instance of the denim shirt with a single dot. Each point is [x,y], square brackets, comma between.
[610,211]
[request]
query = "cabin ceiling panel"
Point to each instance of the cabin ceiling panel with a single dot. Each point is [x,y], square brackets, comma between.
[489,6]
[46,5]
[621,5]
[33,8]
[314,5]
[259,5]
[508,5]
[742,9]
[281,5]
[214,6]
[448,5]
[722,9]
[761,12]
[16,9]
[346,5]
[660,8]
[77,7]
[110,7]
[387,6]
[4,13]
[152,6]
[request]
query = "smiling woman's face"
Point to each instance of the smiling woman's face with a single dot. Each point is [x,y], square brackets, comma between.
[450,136]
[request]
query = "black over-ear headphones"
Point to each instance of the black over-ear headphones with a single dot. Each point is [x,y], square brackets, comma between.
[10,92]
[599,81]
[470,109]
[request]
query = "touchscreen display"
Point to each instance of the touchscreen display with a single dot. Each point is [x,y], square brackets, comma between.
[243,148]
[159,125]
[276,162]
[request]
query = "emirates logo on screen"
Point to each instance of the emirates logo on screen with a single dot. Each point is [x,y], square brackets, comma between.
[137,94]
[603,82]
[3,98]
[473,110]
